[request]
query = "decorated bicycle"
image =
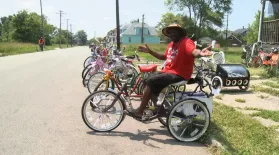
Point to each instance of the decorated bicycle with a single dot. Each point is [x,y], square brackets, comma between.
[187,113]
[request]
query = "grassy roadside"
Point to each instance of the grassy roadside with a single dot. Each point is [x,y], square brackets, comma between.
[267,114]
[232,55]
[272,84]
[240,134]
[270,91]
[14,48]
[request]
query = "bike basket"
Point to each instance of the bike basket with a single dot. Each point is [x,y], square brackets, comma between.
[198,96]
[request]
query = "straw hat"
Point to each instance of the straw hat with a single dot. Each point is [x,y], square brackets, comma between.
[176,26]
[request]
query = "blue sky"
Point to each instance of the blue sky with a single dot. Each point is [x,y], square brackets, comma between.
[99,15]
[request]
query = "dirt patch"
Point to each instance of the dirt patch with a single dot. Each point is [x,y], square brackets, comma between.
[247,112]
[266,122]
[252,100]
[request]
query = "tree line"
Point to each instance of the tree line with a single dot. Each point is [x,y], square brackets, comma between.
[204,17]
[198,17]
[27,27]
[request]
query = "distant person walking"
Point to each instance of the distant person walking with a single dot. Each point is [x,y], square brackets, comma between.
[124,48]
[41,43]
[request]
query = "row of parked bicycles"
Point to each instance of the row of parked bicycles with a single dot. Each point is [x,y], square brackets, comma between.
[255,56]
[114,82]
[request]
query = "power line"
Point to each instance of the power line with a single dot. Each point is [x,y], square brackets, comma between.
[60,12]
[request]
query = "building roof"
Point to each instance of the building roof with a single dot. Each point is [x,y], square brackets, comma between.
[131,29]
[205,40]
[124,26]
[240,31]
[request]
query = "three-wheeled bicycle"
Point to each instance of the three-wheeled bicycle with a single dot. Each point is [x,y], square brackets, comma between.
[187,113]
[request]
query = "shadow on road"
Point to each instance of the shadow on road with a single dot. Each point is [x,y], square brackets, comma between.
[148,135]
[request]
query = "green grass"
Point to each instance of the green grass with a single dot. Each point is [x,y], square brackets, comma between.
[240,100]
[232,55]
[240,134]
[130,49]
[234,58]
[257,71]
[270,91]
[268,114]
[13,48]
[155,47]
[272,84]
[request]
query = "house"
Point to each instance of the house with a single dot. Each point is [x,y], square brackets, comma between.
[111,37]
[205,40]
[131,34]
[235,37]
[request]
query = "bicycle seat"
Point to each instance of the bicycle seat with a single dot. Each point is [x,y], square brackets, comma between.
[190,81]
[148,68]
[180,83]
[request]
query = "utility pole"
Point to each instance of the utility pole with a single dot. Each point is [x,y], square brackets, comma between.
[117,26]
[142,27]
[67,33]
[60,12]
[42,17]
[261,21]
[226,23]
[227,26]
[71,35]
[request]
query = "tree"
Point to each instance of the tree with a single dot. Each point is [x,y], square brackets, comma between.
[6,28]
[204,13]
[253,29]
[94,41]
[28,27]
[82,36]
[170,18]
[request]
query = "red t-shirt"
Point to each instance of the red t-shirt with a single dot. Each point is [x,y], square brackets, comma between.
[179,58]
[105,52]
[41,41]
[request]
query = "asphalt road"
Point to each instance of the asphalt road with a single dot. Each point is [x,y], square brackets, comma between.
[41,95]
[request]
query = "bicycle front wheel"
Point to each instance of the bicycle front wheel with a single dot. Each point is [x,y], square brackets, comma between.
[87,61]
[96,115]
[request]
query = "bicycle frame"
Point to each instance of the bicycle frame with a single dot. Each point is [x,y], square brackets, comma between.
[109,76]
[124,91]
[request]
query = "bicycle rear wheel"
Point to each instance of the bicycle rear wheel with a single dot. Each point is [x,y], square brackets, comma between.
[188,120]
[94,80]
[96,115]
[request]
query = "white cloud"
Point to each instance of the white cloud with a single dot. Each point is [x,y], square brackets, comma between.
[28,4]
[107,18]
